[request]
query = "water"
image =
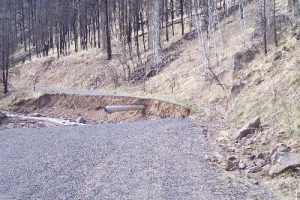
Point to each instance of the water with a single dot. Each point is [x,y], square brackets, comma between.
[58,121]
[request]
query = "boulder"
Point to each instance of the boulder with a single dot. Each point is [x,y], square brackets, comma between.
[249,128]
[80,120]
[283,161]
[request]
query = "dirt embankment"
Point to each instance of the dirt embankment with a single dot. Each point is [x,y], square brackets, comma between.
[91,108]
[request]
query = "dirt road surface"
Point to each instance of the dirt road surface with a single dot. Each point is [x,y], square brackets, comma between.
[161,159]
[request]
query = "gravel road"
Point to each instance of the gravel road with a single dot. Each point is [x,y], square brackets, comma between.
[161,159]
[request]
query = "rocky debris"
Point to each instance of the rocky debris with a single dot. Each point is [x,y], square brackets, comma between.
[81,120]
[277,55]
[249,128]
[283,161]
[258,150]
[2,117]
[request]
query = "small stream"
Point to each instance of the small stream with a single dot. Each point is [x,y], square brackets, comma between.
[57,121]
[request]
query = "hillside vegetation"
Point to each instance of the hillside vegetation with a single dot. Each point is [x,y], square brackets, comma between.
[267,85]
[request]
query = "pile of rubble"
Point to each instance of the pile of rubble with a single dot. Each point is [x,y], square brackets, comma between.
[253,150]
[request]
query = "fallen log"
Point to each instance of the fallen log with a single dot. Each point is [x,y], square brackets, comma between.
[122,108]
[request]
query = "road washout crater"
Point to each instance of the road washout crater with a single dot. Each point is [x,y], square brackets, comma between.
[91,108]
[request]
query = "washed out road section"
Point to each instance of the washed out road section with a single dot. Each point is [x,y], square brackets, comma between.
[161,159]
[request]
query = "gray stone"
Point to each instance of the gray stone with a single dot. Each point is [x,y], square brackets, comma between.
[36,115]
[2,116]
[281,147]
[277,55]
[250,163]
[230,165]
[260,162]
[286,48]
[283,161]
[249,128]
[80,120]
[243,58]
[242,165]
[298,36]
[255,169]
[260,155]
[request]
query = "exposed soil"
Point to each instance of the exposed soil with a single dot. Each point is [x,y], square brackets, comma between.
[91,108]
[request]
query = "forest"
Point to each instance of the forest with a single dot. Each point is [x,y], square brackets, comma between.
[40,27]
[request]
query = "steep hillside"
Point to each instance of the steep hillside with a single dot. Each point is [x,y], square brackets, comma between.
[250,87]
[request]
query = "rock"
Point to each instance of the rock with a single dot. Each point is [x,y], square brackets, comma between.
[260,162]
[277,55]
[260,155]
[281,147]
[258,81]
[236,88]
[286,48]
[36,115]
[255,182]
[2,116]
[80,120]
[231,163]
[232,158]
[249,128]
[255,169]
[242,165]
[294,145]
[252,156]
[249,163]
[283,161]
[298,36]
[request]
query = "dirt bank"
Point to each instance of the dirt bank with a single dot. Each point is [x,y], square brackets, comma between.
[92,108]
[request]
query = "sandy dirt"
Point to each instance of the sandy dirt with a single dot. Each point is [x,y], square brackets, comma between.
[91,107]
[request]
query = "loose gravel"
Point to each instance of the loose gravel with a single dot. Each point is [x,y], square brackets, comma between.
[162,159]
